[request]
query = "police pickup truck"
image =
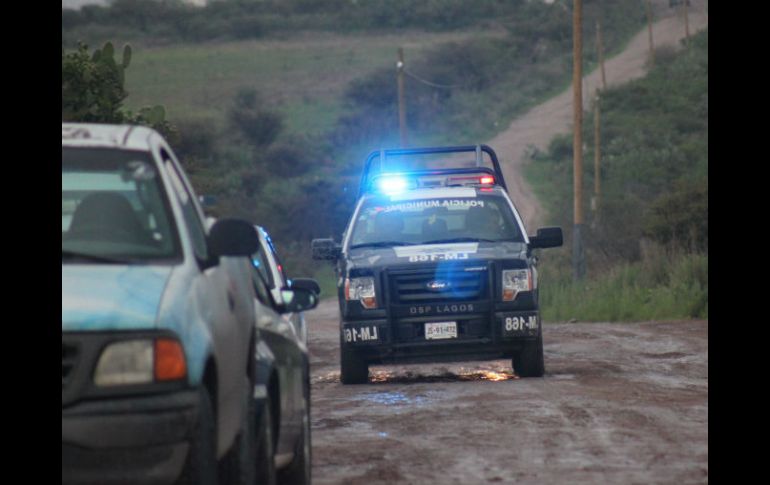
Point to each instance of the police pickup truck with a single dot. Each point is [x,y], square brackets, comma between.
[435,266]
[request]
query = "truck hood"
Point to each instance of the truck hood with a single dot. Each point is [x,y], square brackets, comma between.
[111,297]
[427,253]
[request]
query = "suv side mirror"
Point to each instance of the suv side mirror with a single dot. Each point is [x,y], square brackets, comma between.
[232,237]
[547,237]
[297,300]
[325,249]
[306,284]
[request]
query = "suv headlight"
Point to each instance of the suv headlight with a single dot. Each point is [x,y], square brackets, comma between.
[140,362]
[514,281]
[361,289]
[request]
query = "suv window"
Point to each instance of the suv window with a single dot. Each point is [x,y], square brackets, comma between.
[433,220]
[114,206]
[259,260]
[193,222]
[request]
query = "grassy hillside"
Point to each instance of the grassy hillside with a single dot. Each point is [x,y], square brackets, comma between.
[647,246]
[303,78]
[325,93]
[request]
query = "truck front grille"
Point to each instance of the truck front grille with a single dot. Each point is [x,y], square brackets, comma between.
[438,285]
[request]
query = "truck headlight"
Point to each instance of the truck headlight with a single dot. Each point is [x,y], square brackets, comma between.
[514,281]
[361,289]
[140,362]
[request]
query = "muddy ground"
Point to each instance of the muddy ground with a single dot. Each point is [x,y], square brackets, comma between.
[620,403]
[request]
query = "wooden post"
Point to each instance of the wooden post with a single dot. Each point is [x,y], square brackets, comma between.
[649,30]
[686,23]
[600,53]
[597,158]
[578,261]
[401,98]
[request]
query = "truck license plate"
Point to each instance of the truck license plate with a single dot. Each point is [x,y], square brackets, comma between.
[439,330]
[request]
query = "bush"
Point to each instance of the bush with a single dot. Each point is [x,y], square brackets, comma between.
[258,126]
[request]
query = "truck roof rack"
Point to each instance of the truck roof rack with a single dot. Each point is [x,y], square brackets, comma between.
[369,175]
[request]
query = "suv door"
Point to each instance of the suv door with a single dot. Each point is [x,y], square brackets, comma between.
[226,301]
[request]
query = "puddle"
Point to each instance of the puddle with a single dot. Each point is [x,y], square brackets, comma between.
[391,398]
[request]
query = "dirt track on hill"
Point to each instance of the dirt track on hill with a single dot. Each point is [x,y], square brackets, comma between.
[620,403]
[539,125]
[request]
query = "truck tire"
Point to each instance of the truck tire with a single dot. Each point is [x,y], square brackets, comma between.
[200,468]
[239,466]
[353,369]
[529,361]
[265,447]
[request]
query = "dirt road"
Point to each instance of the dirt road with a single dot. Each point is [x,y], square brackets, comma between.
[539,125]
[620,403]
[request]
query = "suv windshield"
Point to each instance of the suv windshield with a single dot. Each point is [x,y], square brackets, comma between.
[113,207]
[381,222]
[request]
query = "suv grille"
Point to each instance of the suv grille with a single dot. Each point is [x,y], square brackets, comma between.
[438,285]
[69,354]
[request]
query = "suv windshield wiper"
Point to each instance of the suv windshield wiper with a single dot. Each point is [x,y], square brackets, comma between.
[68,255]
[381,244]
[459,239]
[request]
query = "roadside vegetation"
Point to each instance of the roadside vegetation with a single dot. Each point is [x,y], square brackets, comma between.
[288,157]
[647,246]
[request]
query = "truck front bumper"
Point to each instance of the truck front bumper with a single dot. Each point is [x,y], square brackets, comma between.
[480,337]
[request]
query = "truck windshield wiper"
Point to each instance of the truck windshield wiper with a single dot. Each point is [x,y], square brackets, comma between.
[459,239]
[68,255]
[381,244]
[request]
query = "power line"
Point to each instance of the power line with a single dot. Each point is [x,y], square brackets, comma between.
[435,85]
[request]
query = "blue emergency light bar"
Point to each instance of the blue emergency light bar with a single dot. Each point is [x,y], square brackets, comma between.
[395,182]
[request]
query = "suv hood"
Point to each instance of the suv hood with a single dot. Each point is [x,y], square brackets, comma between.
[111,297]
[426,253]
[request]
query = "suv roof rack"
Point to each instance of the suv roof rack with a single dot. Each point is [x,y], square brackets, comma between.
[381,155]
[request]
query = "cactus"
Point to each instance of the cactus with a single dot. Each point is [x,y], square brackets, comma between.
[126,56]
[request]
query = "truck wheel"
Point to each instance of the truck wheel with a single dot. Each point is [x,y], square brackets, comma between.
[239,465]
[298,471]
[200,468]
[529,362]
[265,447]
[353,369]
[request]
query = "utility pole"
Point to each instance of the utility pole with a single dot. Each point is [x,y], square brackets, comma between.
[578,259]
[600,53]
[597,158]
[649,30]
[686,23]
[401,98]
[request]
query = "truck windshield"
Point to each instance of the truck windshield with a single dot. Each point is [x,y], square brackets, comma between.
[113,208]
[381,222]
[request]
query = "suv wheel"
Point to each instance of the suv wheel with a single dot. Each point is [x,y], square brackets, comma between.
[529,362]
[200,468]
[353,369]
[298,472]
[265,447]
[238,466]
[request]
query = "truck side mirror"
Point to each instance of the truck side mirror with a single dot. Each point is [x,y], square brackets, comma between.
[297,300]
[306,284]
[547,237]
[325,249]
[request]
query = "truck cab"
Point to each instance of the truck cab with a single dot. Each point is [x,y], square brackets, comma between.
[435,266]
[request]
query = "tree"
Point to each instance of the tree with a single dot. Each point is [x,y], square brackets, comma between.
[93,90]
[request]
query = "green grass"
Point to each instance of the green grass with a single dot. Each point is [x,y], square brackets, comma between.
[658,288]
[327,280]
[303,78]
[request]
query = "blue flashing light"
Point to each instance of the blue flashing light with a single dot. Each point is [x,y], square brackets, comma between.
[392,185]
